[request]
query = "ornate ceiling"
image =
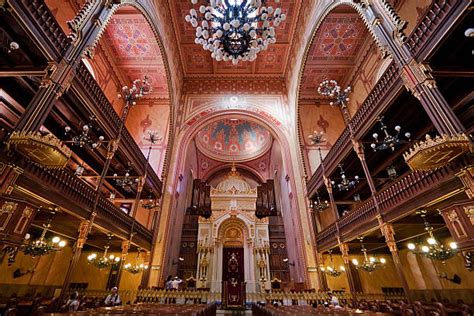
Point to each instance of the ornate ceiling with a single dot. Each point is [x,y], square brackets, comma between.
[197,61]
[338,44]
[134,50]
[233,139]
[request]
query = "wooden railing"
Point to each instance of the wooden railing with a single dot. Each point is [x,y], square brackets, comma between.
[82,196]
[39,19]
[440,16]
[391,201]
[103,109]
[376,102]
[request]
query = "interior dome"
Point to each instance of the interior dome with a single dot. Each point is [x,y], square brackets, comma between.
[233,140]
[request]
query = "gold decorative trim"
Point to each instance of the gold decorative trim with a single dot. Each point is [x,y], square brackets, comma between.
[45,150]
[434,153]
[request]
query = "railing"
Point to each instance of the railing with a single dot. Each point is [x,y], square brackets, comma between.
[392,197]
[375,103]
[75,190]
[107,115]
[39,14]
[432,23]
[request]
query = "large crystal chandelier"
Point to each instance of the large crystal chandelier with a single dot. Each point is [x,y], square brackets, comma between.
[235,30]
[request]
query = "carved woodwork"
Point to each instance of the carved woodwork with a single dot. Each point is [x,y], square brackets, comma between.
[459,218]
[467,177]
[15,219]
[201,199]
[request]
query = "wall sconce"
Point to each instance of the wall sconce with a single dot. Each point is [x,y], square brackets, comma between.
[287,261]
[180,259]
[357,197]
[391,172]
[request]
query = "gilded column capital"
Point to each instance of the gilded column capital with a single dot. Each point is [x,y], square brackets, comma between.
[466,175]
[344,248]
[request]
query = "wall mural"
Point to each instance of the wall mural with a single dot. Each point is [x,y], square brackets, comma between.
[233,140]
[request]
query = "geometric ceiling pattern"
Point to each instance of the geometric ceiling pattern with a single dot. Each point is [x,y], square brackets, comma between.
[336,48]
[135,51]
[233,140]
[197,61]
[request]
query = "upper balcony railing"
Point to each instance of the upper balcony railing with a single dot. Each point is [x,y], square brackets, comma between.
[376,102]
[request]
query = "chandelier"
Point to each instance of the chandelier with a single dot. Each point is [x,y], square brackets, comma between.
[139,89]
[136,268]
[84,139]
[345,184]
[318,205]
[126,181]
[433,249]
[235,30]
[388,140]
[43,246]
[103,261]
[331,270]
[369,264]
[331,89]
[150,203]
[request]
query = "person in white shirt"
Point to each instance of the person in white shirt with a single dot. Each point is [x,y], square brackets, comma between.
[113,299]
[334,300]
[175,283]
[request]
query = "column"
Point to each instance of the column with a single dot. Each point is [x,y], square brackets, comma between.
[323,282]
[354,285]
[389,234]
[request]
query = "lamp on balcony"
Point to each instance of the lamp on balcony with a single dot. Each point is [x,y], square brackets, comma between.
[432,248]
[370,263]
[85,139]
[331,270]
[346,184]
[389,141]
[103,261]
[136,267]
[287,261]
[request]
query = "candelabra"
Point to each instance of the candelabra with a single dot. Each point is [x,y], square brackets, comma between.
[331,270]
[43,246]
[369,264]
[139,89]
[433,249]
[318,205]
[126,181]
[150,203]
[84,139]
[345,184]
[103,261]
[136,268]
[331,89]
[388,141]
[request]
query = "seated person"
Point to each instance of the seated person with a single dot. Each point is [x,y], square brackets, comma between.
[113,299]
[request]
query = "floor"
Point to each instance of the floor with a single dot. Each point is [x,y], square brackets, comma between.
[233,312]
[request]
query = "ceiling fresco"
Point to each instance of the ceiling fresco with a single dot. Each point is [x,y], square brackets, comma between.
[335,50]
[197,61]
[233,140]
[135,51]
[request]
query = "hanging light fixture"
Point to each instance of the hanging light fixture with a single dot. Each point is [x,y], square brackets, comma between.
[150,202]
[139,89]
[388,141]
[432,248]
[331,89]
[331,270]
[43,246]
[345,184]
[136,268]
[235,30]
[103,261]
[318,205]
[126,181]
[370,263]
[391,172]
[84,139]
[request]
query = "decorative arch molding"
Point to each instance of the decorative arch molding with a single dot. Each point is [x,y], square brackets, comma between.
[211,172]
[143,10]
[360,9]
[224,224]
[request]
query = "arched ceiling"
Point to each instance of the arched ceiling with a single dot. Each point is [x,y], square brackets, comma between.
[337,46]
[197,61]
[134,50]
[233,139]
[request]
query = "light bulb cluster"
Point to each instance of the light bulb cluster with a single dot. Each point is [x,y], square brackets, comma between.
[433,249]
[388,141]
[370,263]
[346,184]
[235,30]
[103,261]
[126,181]
[84,139]
[139,89]
[331,270]
[43,246]
[135,268]
[331,89]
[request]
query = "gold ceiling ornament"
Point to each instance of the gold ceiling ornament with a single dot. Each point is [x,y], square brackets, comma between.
[433,153]
[45,150]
